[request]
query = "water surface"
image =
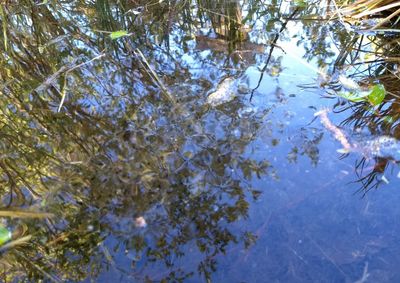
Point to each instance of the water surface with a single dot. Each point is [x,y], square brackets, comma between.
[108,124]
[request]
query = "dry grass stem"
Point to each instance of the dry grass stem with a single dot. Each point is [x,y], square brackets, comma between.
[24,214]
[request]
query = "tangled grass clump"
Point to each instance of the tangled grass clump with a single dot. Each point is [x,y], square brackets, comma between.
[387,11]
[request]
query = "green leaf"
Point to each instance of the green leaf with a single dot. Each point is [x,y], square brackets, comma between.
[355,96]
[5,235]
[118,34]
[300,3]
[377,95]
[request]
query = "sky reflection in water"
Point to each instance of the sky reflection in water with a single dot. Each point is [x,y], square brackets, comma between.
[246,190]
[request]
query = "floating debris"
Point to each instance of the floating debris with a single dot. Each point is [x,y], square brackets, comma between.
[349,83]
[384,179]
[381,146]
[140,222]
[225,92]
[338,133]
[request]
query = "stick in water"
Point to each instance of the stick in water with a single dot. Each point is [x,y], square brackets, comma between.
[337,133]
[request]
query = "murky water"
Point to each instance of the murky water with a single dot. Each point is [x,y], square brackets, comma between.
[176,141]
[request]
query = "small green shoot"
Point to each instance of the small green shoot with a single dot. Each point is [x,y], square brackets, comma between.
[118,34]
[389,119]
[5,235]
[300,3]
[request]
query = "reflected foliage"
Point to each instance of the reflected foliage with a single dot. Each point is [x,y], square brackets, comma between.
[102,132]
[89,135]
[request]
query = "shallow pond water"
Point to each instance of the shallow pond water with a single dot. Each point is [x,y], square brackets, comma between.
[176,141]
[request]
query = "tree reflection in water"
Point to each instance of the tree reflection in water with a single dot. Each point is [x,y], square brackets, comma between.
[102,137]
[117,149]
